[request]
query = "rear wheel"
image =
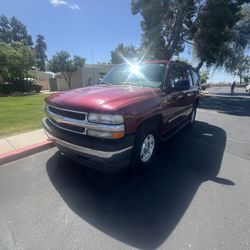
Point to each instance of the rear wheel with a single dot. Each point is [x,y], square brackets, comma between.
[145,147]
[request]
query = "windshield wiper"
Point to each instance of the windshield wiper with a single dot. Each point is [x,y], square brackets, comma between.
[106,83]
[130,83]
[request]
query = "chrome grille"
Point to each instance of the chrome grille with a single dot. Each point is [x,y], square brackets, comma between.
[78,115]
[68,127]
[70,120]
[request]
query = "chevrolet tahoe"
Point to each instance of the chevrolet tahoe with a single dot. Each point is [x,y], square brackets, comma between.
[119,122]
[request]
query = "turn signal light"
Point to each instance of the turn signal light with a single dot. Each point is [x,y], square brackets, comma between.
[117,135]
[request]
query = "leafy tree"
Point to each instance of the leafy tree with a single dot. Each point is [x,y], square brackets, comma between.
[63,63]
[166,25]
[204,76]
[19,32]
[40,52]
[217,29]
[5,30]
[240,67]
[217,32]
[235,58]
[5,54]
[246,79]
[121,52]
[12,30]
[16,60]
[181,59]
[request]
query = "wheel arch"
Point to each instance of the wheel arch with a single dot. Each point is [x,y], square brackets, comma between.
[155,120]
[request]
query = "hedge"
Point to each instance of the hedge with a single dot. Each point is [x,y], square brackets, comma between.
[19,86]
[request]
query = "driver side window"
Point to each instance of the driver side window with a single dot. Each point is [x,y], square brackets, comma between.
[179,73]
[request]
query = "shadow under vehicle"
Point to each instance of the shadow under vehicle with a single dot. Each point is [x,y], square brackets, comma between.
[142,210]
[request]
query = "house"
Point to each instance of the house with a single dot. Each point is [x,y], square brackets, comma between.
[41,78]
[85,76]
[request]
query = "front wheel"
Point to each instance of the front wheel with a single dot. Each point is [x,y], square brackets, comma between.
[145,147]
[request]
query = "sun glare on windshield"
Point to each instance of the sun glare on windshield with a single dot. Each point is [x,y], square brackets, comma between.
[135,69]
[145,74]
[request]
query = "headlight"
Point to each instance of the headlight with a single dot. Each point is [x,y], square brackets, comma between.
[105,119]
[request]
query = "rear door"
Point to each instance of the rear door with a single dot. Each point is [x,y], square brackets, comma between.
[191,93]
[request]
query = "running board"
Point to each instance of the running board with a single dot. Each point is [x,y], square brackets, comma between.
[172,133]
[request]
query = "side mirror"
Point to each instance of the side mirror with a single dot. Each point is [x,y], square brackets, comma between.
[181,85]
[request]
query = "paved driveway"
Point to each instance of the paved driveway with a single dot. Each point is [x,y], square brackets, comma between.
[196,196]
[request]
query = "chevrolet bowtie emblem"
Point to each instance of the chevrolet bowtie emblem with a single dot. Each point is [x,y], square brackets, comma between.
[58,119]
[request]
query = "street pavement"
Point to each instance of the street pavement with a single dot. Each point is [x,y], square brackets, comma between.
[196,196]
[226,91]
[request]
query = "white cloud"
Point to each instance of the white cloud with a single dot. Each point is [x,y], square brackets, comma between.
[56,3]
[74,7]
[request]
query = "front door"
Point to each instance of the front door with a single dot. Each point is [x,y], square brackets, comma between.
[178,99]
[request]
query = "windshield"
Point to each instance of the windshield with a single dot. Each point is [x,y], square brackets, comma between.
[145,75]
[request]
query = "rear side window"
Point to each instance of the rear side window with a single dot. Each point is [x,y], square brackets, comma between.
[196,78]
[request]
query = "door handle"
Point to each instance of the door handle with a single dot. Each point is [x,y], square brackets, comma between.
[180,96]
[164,103]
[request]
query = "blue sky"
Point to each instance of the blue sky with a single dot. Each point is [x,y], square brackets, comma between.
[88,28]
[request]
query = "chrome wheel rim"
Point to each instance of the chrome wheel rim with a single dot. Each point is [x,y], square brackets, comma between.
[147,148]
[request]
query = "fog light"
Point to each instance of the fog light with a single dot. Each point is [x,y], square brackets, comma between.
[108,135]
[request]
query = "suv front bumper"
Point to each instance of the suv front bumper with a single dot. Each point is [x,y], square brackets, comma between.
[105,155]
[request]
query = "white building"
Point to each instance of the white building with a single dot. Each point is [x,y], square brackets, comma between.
[87,75]
[41,78]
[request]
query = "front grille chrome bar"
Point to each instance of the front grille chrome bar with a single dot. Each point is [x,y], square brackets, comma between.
[70,130]
[63,119]
[82,123]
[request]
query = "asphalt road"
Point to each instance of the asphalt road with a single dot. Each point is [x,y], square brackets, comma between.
[196,196]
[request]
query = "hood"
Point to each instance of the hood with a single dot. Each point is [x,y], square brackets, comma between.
[101,97]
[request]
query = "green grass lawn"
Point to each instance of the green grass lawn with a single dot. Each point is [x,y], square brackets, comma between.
[21,113]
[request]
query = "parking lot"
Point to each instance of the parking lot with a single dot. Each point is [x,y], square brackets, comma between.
[196,196]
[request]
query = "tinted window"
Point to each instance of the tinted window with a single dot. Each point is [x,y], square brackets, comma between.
[178,73]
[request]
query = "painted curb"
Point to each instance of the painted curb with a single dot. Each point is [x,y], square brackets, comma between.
[23,152]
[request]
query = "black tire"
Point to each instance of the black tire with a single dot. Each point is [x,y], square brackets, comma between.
[191,117]
[146,131]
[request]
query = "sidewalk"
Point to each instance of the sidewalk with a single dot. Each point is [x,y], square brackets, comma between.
[15,142]
[18,146]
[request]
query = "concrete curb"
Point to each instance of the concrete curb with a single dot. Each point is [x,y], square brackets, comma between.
[23,152]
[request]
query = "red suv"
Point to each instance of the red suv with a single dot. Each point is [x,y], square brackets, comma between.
[120,121]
